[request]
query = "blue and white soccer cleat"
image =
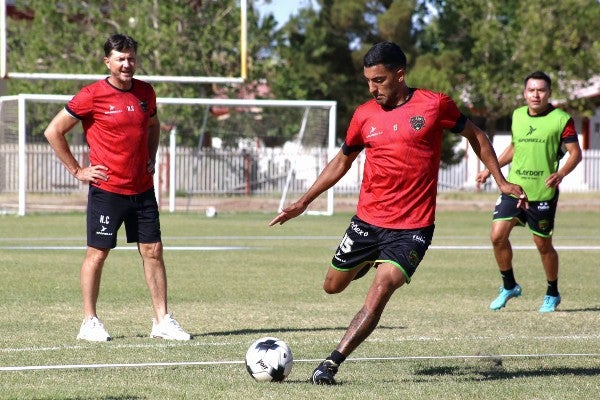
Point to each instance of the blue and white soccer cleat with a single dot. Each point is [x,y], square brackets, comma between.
[550,303]
[504,296]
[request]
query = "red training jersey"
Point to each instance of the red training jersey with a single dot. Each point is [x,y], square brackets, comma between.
[115,123]
[403,151]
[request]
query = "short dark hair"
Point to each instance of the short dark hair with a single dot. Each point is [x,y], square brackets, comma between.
[538,75]
[119,42]
[387,53]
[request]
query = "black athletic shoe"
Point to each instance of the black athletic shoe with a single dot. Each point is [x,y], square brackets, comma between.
[324,373]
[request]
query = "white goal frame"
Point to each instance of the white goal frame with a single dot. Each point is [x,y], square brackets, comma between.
[331,106]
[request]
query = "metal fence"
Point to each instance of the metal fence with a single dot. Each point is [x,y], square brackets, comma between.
[247,172]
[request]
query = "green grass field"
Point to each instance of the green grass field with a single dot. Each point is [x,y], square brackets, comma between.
[436,340]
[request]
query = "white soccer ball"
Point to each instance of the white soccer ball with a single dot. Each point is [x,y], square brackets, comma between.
[269,360]
[211,212]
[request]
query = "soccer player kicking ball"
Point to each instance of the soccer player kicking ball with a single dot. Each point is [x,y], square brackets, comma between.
[539,132]
[401,130]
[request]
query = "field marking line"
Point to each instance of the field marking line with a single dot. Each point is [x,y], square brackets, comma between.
[218,248]
[192,363]
[171,248]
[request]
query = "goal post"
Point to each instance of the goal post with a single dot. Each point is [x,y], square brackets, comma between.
[238,151]
[325,133]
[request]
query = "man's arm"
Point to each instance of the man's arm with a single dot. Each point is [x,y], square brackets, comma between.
[574,158]
[55,133]
[331,174]
[153,141]
[504,159]
[483,148]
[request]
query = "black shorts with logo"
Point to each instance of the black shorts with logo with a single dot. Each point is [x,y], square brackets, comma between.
[107,211]
[365,245]
[539,216]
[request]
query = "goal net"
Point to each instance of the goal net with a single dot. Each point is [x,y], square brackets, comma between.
[263,153]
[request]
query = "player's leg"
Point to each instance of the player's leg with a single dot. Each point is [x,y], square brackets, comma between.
[387,279]
[91,273]
[143,227]
[400,254]
[156,276]
[338,280]
[506,217]
[355,255]
[549,258]
[104,217]
[541,222]
[500,238]
[548,255]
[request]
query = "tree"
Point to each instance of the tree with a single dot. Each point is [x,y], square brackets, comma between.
[491,45]
[321,53]
[179,37]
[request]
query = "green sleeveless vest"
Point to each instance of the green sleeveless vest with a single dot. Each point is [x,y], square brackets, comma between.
[536,141]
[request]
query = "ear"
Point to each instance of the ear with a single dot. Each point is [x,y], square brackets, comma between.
[107,62]
[400,75]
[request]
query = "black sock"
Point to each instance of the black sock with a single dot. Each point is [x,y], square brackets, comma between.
[552,288]
[337,357]
[508,278]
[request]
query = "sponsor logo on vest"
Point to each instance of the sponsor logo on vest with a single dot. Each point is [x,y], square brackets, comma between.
[527,172]
[531,140]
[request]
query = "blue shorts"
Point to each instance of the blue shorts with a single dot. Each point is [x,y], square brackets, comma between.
[366,245]
[539,216]
[107,211]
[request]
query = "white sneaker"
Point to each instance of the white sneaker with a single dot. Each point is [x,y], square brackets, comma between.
[93,330]
[168,329]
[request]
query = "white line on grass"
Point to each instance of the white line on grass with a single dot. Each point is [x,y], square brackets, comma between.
[199,343]
[218,248]
[172,248]
[192,363]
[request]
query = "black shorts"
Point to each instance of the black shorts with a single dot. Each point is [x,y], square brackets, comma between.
[365,245]
[539,216]
[107,211]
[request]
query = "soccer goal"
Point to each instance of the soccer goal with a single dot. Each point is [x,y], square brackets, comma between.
[268,150]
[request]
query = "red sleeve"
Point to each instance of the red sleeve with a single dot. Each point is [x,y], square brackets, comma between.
[450,115]
[81,105]
[569,134]
[354,137]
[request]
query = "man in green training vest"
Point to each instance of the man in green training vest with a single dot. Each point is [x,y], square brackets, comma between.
[540,134]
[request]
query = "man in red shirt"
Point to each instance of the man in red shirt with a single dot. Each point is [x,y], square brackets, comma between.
[401,131]
[122,130]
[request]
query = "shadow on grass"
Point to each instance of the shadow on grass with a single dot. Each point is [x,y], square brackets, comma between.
[497,372]
[271,331]
[587,309]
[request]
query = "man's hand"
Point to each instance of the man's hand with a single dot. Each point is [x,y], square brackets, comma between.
[554,180]
[288,213]
[150,165]
[518,192]
[93,173]
[482,176]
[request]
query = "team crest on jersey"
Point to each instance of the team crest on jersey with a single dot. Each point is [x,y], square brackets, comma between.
[144,105]
[417,122]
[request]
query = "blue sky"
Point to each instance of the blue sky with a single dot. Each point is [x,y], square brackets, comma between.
[282,9]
